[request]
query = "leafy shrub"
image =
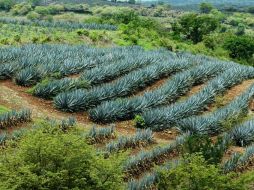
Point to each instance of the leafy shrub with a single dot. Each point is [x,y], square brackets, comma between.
[51,9]
[21,9]
[48,158]
[240,29]
[195,26]
[251,10]
[33,15]
[83,32]
[240,47]
[209,42]
[205,7]
[194,173]
[212,152]
[140,123]
[6,4]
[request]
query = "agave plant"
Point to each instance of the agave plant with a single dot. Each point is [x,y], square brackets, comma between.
[68,123]
[28,77]
[145,183]
[238,160]
[7,70]
[244,133]
[98,135]
[141,138]
[3,138]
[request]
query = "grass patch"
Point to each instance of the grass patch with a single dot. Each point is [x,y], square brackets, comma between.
[3,109]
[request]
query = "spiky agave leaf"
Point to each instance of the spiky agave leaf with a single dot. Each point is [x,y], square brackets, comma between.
[243,134]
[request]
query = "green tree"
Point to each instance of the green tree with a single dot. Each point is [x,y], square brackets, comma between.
[194,26]
[240,47]
[35,2]
[205,7]
[132,1]
[49,158]
[212,152]
[240,29]
[6,4]
[251,10]
[193,173]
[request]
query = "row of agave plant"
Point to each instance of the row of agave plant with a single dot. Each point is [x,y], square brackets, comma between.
[149,180]
[79,100]
[145,160]
[173,88]
[140,139]
[100,74]
[58,24]
[62,60]
[31,75]
[239,161]
[212,123]
[12,118]
[168,116]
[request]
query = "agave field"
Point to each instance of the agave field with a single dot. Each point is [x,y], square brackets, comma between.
[153,87]
[58,24]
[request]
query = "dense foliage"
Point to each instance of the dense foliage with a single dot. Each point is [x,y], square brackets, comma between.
[194,26]
[195,173]
[240,47]
[48,158]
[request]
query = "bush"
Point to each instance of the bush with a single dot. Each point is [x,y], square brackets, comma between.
[49,10]
[209,42]
[6,4]
[194,26]
[240,29]
[240,47]
[33,16]
[48,158]
[21,9]
[83,32]
[194,173]
[212,152]
[205,8]
[251,10]
[43,10]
